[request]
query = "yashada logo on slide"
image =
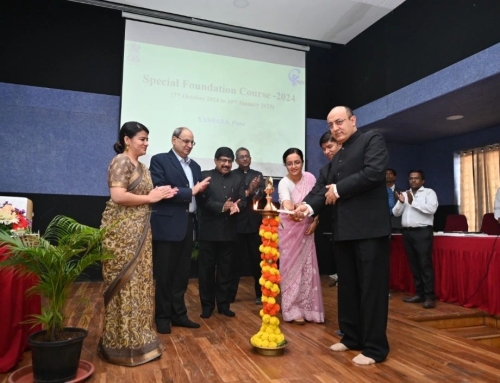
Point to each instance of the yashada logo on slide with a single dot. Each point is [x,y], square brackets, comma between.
[294,77]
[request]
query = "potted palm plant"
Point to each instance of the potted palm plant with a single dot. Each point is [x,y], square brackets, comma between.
[57,259]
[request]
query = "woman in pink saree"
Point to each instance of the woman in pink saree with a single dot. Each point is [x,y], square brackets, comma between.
[301,295]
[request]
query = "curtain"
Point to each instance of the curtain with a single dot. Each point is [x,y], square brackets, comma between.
[479,181]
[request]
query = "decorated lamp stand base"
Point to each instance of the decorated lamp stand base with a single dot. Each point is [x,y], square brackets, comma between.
[269,341]
[266,351]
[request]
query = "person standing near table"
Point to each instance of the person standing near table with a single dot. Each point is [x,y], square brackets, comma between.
[218,204]
[247,227]
[172,224]
[417,206]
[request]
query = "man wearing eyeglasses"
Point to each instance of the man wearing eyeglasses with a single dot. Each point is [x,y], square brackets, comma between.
[218,205]
[361,227]
[172,224]
[247,227]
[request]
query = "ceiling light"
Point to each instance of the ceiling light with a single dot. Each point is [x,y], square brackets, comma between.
[455,117]
[240,3]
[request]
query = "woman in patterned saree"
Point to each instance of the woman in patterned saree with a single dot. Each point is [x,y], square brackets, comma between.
[128,338]
[301,295]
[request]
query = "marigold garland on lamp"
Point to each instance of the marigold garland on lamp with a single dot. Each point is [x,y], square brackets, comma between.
[269,340]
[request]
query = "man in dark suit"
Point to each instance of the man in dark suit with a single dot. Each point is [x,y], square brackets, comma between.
[217,207]
[392,189]
[172,224]
[247,227]
[361,226]
[330,147]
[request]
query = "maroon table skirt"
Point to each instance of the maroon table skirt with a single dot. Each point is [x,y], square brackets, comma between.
[466,269]
[15,307]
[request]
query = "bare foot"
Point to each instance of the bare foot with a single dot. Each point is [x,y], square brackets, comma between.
[363,360]
[338,347]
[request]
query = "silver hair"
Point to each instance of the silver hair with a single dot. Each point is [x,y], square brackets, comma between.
[177,132]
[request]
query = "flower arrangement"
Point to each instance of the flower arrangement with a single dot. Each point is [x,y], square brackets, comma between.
[269,335]
[13,220]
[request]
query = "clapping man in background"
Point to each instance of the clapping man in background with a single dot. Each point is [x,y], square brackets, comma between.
[247,227]
[417,206]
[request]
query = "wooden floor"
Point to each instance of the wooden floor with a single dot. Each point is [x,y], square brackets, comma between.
[220,352]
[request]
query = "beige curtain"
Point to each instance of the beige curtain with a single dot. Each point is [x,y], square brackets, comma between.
[479,181]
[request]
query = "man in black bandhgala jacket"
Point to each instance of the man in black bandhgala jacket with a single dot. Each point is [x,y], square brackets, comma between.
[248,223]
[361,226]
[219,205]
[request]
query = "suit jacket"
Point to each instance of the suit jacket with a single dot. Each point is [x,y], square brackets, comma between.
[396,221]
[325,216]
[216,225]
[170,216]
[358,170]
[248,221]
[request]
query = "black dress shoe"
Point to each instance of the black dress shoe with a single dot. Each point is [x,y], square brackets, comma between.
[227,312]
[185,323]
[163,328]
[206,314]
[414,299]
[429,304]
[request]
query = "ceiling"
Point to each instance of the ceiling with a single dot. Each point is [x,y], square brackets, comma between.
[332,21]
[478,103]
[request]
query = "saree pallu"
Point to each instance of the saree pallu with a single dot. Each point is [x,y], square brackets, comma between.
[128,337]
[301,294]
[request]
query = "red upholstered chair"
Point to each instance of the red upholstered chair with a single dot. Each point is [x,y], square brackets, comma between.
[490,225]
[456,222]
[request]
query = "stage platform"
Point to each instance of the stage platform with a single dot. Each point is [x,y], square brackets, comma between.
[449,344]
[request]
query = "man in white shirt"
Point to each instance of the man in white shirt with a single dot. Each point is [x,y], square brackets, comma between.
[496,209]
[418,206]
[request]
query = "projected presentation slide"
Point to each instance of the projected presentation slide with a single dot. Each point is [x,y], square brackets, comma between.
[228,92]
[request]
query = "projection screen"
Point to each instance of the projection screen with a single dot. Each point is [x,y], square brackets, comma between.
[229,92]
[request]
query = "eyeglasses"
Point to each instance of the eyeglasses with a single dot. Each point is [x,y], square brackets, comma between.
[225,160]
[244,157]
[296,163]
[186,141]
[414,178]
[338,122]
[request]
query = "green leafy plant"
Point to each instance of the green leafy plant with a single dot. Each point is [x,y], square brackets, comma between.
[57,258]
[195,251]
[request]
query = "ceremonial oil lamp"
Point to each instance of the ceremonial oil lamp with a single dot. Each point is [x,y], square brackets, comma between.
[269,341]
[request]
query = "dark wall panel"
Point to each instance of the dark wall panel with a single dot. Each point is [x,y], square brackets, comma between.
[418,38]
[63,45]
